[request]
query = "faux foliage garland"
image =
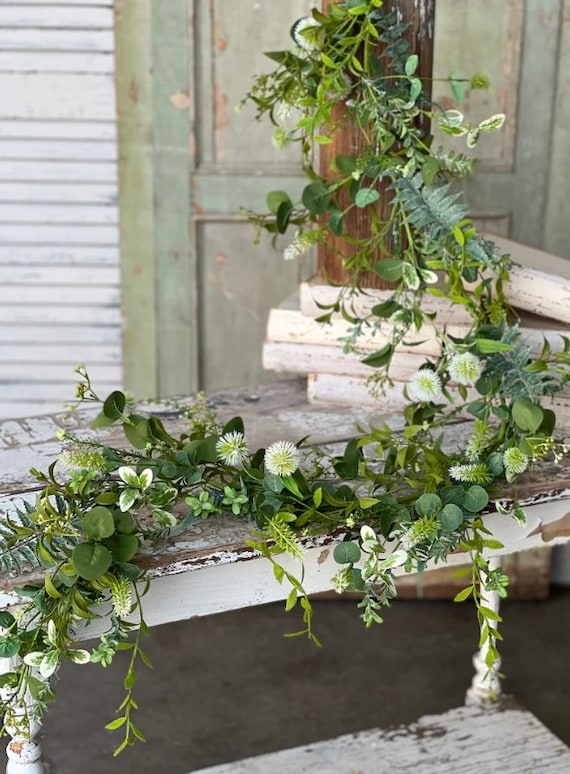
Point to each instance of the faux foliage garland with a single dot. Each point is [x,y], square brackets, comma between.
[398,499]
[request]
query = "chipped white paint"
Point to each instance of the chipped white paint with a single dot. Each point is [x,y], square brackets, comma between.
[467,739]
[58,202]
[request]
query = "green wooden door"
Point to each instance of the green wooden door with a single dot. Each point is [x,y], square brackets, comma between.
[522,173]
[196,291]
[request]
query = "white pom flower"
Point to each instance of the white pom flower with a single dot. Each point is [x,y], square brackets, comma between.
[465,368]
[282,458]
[425,386]
[515,462]
[232,449]
[304,41]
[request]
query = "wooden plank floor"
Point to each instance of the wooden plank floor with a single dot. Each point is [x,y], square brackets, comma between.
[466,740]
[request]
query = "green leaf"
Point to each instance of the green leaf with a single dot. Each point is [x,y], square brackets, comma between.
[137,433]
[275,199]
[415,89]
[527,416]
[346,553]
[390,269]
[114,405]
[117,723]
[122,547]
[450,517]
[316,198]
[476,498]
[380,358]
[98,523]
[6,619]
[128,498]
[366,196]
[91,560]
[464,594]
[346,164]
[490,346]
[430,168]
[124,522]
[427,504]
[386,308]
[336,222]
[411,64]
[9,645]
[284,213]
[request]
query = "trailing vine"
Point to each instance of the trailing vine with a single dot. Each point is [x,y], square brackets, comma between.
[397,500]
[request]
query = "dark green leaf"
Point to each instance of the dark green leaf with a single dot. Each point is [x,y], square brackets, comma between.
[123,547]
[316,198]
[346,164]
[91,560]
[380,358]
[450,517]
[346,553]
[389,269]
[476,498]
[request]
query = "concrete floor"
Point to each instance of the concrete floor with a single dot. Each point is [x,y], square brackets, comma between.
[231,686]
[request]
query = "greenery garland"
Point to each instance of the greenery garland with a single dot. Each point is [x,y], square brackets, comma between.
[399,499]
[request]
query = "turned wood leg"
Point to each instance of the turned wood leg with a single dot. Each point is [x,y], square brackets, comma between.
[485,685]
[23,751]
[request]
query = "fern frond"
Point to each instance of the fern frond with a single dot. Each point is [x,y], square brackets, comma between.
[433,209]
[518,383]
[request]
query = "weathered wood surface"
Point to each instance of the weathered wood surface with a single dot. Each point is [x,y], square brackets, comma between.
[212,555]
[466,740]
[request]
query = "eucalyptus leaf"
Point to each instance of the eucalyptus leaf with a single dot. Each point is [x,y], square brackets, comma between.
[98,523]
[346,553]
[91,560]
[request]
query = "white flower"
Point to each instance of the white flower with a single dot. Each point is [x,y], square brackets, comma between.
[465,368]
[515,462]
[306,42]
[121,596]
[425,386]
[232,449]
[280,137]
[282,458]
[475,473]
[299,245]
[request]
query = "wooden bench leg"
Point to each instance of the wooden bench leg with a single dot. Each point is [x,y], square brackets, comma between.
[485,685]
[23,751]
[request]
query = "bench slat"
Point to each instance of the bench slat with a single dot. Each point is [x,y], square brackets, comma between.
[467,740]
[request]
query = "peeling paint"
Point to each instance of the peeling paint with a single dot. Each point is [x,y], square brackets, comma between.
[180,100]
[134,91]
[221,119]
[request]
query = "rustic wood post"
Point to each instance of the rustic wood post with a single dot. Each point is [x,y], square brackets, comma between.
[420,14]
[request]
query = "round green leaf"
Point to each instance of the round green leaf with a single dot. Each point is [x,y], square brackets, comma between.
[527,416]
[476,498]
[91,560]
[275,199]
[366,196]
[316,198]
[450,517]
[346,553]
[428,505]
[98,523]
[124,522]
[123,547]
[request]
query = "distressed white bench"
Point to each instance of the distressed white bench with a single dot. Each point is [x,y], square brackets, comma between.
[209,569]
